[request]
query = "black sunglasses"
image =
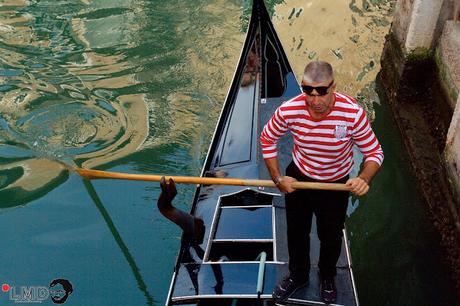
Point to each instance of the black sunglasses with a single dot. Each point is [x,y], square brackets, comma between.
[321,90]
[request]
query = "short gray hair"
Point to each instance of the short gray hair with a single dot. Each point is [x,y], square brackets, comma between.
[318,71]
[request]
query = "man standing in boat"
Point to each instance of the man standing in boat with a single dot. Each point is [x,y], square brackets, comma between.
[324,125]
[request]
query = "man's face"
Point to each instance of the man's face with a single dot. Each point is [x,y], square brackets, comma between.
[58,292]
[60,289]
[319,96]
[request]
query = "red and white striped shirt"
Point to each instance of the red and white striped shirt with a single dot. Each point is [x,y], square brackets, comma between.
[322,148]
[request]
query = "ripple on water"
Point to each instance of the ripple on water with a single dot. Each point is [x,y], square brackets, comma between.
[89,132]
[76,127]
[83,81]
[65,89]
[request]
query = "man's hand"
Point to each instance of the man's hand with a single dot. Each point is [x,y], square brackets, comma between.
[285,184]
[168,190]
[358,186]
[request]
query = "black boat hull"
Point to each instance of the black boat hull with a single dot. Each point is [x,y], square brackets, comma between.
[243,223]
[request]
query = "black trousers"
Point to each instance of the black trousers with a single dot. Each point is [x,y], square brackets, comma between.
[330,209]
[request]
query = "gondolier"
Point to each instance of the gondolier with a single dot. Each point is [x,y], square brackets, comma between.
[325,125]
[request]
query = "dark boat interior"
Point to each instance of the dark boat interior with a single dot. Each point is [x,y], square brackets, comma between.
[244,254]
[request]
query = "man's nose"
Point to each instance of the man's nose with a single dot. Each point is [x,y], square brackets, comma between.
[315,99]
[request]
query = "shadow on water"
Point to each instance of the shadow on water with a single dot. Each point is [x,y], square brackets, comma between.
[116,235]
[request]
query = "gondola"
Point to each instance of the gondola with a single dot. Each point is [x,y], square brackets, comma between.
[243,251]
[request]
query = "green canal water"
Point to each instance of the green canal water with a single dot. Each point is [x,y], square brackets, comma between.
[137,86]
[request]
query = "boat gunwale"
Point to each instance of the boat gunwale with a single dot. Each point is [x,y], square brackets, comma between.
[230,91]
[255,17]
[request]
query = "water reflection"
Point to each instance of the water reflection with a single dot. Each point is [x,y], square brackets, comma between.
[348,34]
[238,135]
[60,98]
[94,81]
[103,83]
[251,70]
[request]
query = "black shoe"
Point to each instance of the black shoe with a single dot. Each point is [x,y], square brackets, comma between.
[328,290]
[286,288]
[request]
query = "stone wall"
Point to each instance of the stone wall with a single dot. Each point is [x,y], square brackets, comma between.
[452,150]
[448,62]
[423,29]
[422,24]
[421,77]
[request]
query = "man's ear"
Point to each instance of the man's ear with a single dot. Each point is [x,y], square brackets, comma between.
[334,86]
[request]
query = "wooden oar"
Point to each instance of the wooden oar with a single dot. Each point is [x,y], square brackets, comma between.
[98,174]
